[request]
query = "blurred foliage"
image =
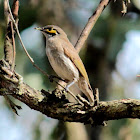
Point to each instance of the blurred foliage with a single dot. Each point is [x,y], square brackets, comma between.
[99,56]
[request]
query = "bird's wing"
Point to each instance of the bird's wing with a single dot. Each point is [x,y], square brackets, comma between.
[68,50]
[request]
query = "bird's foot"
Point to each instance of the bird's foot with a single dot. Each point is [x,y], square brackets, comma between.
[68,91]
[84,101]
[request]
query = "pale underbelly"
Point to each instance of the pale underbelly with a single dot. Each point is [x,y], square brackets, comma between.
[63,66]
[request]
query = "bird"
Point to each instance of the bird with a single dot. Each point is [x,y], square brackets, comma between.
[65,60]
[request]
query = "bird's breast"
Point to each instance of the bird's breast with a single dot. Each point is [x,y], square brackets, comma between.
[61,64]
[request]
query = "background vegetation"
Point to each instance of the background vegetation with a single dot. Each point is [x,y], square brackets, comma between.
[111,57]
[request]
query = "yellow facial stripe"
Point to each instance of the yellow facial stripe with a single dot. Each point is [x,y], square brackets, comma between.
[51,31]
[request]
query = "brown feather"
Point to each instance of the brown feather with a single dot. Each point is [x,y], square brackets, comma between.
[68,50]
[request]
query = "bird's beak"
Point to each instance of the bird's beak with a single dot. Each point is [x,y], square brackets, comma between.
[38,28]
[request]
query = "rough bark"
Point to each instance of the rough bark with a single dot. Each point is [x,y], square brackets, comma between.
[55,105]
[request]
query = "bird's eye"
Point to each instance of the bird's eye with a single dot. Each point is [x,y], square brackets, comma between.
[50,29]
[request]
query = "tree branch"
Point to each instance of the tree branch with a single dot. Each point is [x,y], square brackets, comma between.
[55,105]
[90,24]
[9,45]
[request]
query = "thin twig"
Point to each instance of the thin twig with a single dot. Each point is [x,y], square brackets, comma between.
[91,22]
[8,43]
[9,49]
[15,9]
[14,47]
[22,44]
[17,30]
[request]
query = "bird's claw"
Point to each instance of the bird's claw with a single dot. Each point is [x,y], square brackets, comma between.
[85,102]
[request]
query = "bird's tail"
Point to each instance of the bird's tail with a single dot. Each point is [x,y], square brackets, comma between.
[86,89]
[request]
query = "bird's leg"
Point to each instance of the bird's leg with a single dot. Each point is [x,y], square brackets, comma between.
[71,83]
[67,89]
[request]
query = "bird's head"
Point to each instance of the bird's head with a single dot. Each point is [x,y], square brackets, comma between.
[51,31]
